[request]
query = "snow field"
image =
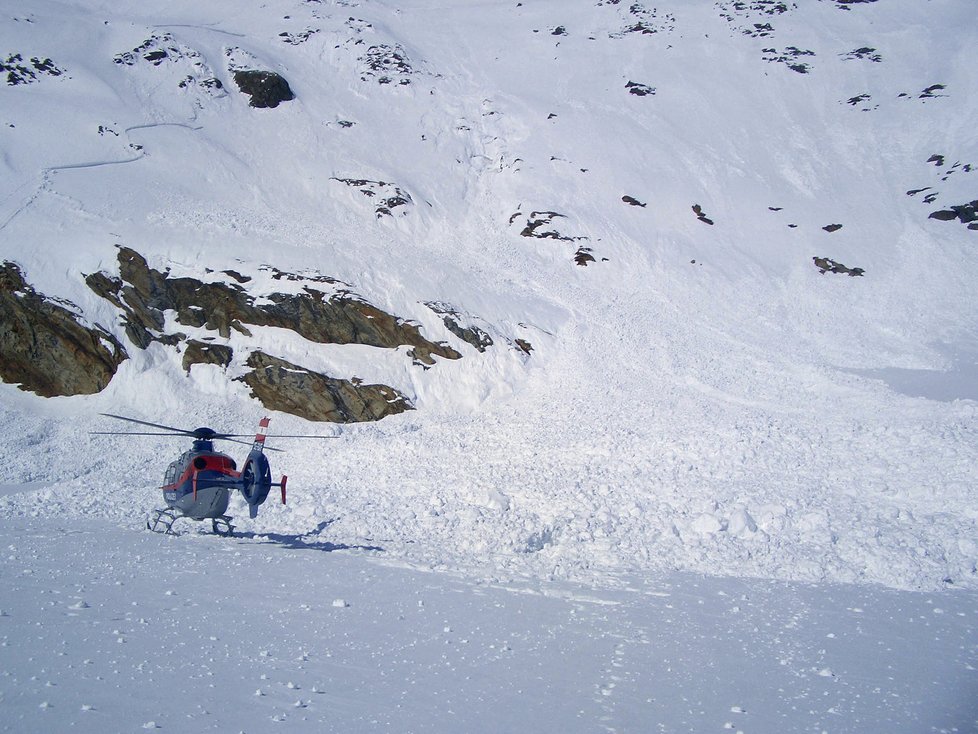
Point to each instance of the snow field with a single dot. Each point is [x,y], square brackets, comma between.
[249,633]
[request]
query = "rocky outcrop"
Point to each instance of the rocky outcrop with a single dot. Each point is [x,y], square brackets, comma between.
[266,88]
[640,90]
[45,348]
[144,294]
[387,64]
[198,352]
[966,213]
[385,197]
[825,265]
[17,71]
[281,385]
[177,60]
[453,321]
[698,211]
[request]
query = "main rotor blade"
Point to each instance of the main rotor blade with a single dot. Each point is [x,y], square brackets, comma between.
[131,433]
[276,435]
[147,423]
[218,437]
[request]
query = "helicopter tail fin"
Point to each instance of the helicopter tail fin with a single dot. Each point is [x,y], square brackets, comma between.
[259,444]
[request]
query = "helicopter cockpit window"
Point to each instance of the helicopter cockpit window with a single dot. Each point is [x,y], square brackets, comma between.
[172,473]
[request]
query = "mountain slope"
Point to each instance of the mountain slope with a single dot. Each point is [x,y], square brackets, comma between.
[635,195]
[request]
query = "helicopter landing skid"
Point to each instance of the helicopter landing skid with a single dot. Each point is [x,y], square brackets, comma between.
[161,521]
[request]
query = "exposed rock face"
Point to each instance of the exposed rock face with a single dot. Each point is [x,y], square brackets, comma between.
[19,71]
[144,294]
[266,88]
[45,349]
[825,265]
[966,213]
[640,90]
[536,220]
[281,385]
[385,196]
[698,211]
[453,322]
[197,352]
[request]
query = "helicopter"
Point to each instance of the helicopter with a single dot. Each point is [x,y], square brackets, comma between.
[197,485]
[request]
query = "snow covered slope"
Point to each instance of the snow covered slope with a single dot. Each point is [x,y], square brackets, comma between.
[645,196]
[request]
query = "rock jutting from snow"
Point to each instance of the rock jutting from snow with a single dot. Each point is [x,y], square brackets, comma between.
[639,89]
[281,385]
[698,211]
[386,197]
[825,265]
[45,348]
[143,294]
[452,319]
[21,72]
[966,213]
[266,88]
[198,352]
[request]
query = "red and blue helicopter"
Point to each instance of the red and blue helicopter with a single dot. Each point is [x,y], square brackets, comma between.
[198,484]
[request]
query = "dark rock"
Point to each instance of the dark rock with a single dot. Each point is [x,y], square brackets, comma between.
[197,352]
[386,196]
[470,334]
[929,92]
[44,347]
[237,276]
[297,38]
[19,71]
[642,20]
[287,387]
[632,200]
[832,227]
[698,211]
[966,213]
[538,219]
[858,99]
[583,256]
[387,64]
[524,345]
[266,88]
[863,53]
[789,57]
[825,265]
[640,90]
[144,294]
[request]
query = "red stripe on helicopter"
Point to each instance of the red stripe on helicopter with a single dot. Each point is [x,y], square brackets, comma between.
[220,464]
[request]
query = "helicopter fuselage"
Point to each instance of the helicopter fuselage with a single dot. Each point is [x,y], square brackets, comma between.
[199,482]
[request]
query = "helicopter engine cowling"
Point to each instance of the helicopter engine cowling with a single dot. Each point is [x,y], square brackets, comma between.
[256,481]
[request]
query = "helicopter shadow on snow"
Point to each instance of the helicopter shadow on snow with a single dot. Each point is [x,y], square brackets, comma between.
[307,541]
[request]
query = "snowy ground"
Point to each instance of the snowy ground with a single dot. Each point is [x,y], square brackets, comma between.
[103,629]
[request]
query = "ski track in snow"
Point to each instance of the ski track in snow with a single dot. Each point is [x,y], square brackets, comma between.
[46,175]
